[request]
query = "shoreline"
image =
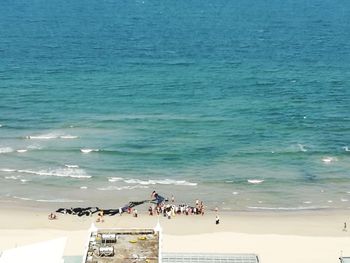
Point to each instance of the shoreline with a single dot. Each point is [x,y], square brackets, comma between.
[307,223]
[49,206]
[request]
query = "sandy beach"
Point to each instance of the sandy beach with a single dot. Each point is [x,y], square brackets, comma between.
[295,237]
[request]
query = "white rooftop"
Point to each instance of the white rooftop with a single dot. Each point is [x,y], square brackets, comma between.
[43,252]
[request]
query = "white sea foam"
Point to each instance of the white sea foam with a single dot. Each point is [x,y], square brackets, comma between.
[7,170]
[51,136]
[89,150]
[48,136]
[329,159]
[115,179]
[24,180]
[59,201]
[71,166]
[6,150]
[307,202]
[235,193]
[68,137]
[60,172]
[288,208]
[21,150]
[34,147]
[22,198]
[113,188]
[163,182]
[0,125]
[28,172]
[83,187]
[255,181]
[12,177]
[302,147]
[330,201]
[344,200]
[346,148]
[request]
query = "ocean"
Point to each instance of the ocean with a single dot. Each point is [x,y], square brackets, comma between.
[242,104]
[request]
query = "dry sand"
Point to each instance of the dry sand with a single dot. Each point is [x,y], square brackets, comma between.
[315,237]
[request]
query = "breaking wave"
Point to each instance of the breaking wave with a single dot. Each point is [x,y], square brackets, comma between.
[6,150]
[7,170]
[12,177]
[329,159]
[112,188]
[60,172]
[71,166]
[68,137]
[255,181]
[152,182]
[288,208]
[89,150]
[115,179]
[59,201]
[302,147]
[22,198]
[50,136]
[34,147]
[48,200]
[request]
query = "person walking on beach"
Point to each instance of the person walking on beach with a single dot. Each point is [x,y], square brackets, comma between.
[345,227]
[217,220]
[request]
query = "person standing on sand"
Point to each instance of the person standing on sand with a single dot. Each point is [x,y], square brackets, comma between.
[201,208]
[172,198]
[345,228]
[100,217]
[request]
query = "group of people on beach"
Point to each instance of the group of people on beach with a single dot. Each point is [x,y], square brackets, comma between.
[159,206]
[169,210]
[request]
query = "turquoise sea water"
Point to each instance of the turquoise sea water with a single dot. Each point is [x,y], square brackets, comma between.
[243,104]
